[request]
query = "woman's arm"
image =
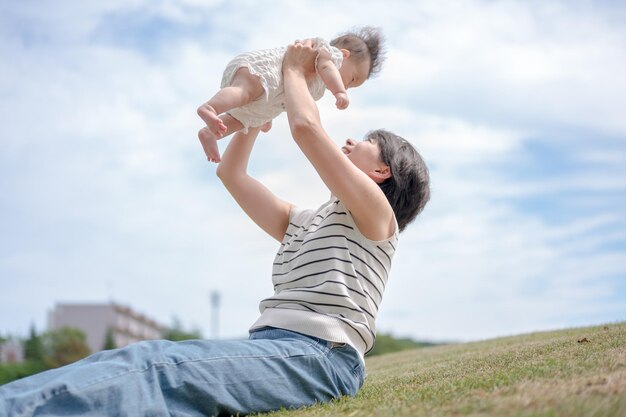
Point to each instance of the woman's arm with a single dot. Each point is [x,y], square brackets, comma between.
[260,204]
[355,188]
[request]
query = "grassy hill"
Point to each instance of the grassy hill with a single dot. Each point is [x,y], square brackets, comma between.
[569,373]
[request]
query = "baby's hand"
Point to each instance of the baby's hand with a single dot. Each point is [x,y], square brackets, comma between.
[342,101]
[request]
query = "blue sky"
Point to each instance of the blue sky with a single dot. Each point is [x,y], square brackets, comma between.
[517,106]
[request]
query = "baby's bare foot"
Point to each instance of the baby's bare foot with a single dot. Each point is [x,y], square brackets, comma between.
[212,120]
[209,144]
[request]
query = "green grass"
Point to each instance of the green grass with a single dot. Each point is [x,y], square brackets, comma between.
[569,373]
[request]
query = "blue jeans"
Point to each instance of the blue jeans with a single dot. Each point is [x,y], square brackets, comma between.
[273,369]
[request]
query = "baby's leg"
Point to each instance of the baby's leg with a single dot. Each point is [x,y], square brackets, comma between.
[209,140]
[243,89]
[266,127]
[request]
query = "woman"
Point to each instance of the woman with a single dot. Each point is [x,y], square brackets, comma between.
[329,276]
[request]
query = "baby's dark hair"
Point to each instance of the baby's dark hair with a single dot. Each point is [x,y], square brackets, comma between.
[362,43]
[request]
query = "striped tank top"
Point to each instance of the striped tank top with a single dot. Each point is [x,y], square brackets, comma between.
[328,278]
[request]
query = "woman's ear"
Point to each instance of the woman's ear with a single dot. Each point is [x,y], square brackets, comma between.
[380,174]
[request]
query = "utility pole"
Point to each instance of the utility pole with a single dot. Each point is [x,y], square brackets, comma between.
[215,319]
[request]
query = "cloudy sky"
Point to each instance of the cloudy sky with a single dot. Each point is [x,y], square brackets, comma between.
[519,108]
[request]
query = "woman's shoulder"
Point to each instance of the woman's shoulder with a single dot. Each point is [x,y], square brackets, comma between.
[355,232]
[304,212]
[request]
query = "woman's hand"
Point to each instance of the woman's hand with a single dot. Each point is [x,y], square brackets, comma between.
[300,56]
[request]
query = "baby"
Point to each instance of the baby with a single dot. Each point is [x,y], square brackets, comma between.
[251,93]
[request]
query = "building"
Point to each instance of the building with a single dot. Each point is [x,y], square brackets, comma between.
[98,320]
[11,351]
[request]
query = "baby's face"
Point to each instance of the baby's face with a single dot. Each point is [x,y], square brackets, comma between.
[354,73]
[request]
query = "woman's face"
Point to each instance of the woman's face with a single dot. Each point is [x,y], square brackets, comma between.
[364,154]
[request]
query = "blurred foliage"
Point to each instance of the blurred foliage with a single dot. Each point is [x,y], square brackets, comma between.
[176,332]
[386,343]
[109,340]
[50,350]
[12,371]
[33,346]
[64,346]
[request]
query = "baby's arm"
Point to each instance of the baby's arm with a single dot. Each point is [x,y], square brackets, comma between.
[332,78]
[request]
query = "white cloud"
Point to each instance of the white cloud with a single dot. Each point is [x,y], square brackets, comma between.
[514,63]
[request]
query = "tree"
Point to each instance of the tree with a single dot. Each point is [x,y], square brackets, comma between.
[64,346]
[176,332]
[109,340]
[33,348]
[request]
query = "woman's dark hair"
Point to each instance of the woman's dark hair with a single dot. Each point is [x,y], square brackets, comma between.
[366,42]
[408,188]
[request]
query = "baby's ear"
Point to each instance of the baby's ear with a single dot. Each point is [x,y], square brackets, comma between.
[345,53]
